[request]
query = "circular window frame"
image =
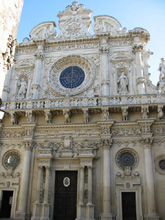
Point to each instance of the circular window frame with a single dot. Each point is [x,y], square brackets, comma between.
[127,150]
[158,169]
[72,77]
[6,156]
[60,65]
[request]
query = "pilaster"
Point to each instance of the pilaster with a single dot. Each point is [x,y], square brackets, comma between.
[147,141]
[104,51]
[140,79]
[39,54]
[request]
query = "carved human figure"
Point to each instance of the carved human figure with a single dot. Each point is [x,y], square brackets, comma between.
[123,83]
[162,69]
[22,88]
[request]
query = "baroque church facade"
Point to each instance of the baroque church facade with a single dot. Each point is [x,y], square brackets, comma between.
[83,135]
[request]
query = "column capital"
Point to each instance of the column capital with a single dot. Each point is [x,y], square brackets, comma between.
[137,48]
[38,55]
[106,143]
[104,49]
[28,145]
[147,141]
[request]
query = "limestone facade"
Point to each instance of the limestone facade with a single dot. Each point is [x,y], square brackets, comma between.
[83,125]
[10,12]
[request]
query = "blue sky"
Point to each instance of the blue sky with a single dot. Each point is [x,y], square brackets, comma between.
[148,14]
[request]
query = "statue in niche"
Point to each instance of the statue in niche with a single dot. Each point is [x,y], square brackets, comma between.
[162,70]
[22,88]
[122,83]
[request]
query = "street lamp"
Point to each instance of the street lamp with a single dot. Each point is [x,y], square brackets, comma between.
[2,111]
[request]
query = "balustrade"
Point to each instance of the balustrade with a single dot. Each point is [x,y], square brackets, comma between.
[85,102]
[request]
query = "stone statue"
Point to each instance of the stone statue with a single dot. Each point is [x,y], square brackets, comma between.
[162,70]
[22,88]
[123,83]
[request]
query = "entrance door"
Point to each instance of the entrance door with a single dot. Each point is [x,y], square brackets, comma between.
[129,205]
[6,204]
[65,195]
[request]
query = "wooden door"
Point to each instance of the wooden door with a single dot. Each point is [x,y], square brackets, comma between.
[65,195]
[129,205]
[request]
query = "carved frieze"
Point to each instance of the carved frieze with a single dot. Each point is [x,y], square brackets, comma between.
[125,131]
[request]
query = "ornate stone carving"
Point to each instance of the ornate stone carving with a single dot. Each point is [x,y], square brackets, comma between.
[48,116]
[105,114]
[122,84]
[160,111]
[28,145]
[126,131]
[106,24]
[54,75]
[124,113]
[14,118]
[162,69]
[144,111]
[86,116]
[8,56]
[22,88]
[67,142]
[29,116]
[75,21]
[11,159]
[127,159]
[66,114]
[45,30]
[106,143]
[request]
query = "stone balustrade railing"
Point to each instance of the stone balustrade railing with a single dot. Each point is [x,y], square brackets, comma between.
[85,102]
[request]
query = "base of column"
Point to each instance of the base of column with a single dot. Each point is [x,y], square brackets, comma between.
[35,218]
[45,211]
[90,211]
[106,216]
[37,211]
[22,216]
[152,217]
[45,218]
[80,212]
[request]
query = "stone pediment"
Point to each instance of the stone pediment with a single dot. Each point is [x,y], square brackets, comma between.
[106,24]
[75,21]
[45,30]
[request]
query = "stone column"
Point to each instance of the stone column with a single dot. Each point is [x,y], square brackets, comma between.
[81,198]
[46,205]
[80,206]
[140,79]
[37,205]
[24,186]
[38,71]
[90,206]
[106,215]
[149,178]
[89,186]
[104,69]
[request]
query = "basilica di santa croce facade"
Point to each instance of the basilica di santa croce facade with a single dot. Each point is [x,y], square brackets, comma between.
[83,134]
